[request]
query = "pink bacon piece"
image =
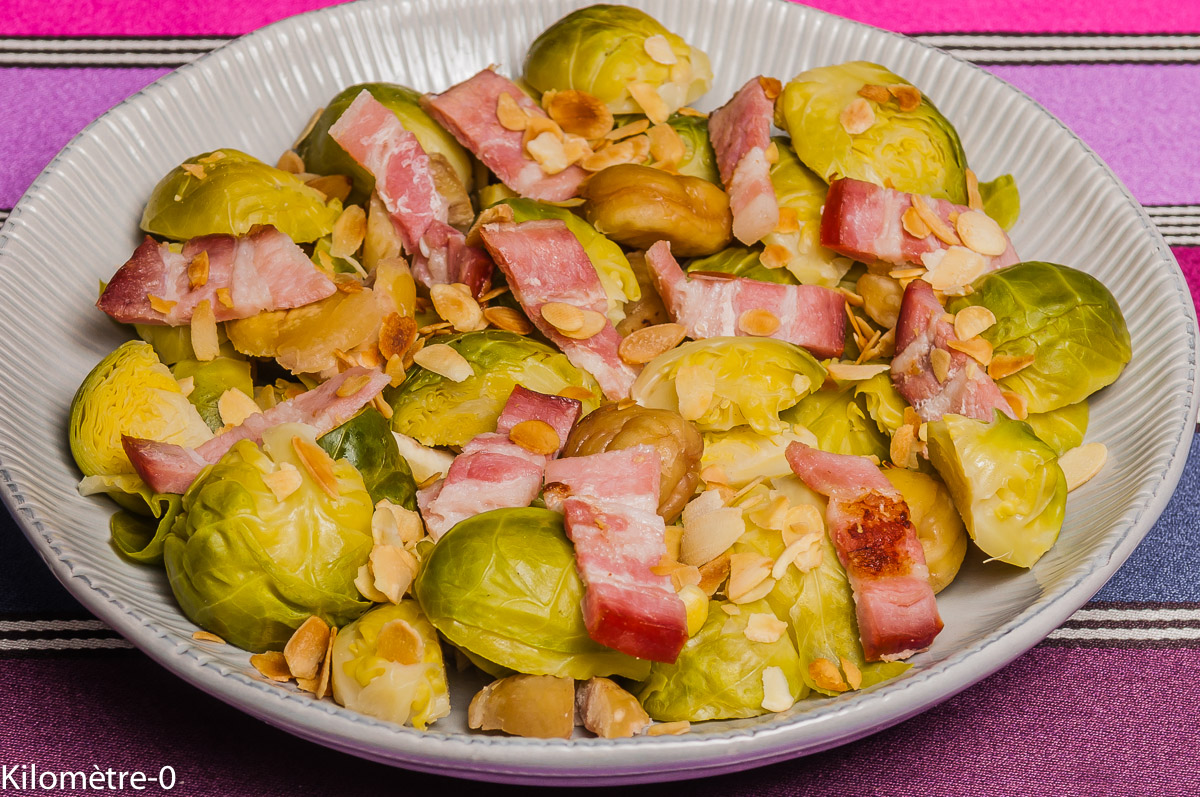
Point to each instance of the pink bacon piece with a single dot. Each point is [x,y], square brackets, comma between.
[610,501]
[711,306]
[492,472]
[877,544]
[444,258]
[740,132]
[920,330]
[864,221]
[468,111]
[544,263]
[169,468]
[262,270]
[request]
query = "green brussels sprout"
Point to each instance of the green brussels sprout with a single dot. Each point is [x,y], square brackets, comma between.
[438,411]
[612,267]
[1065,318]
[236,192]
[798,190]
[741,261]
[754,380]
[882,401]
[743,454]
[174,344]
[210,380]
[699,160]
[323,155]
[374,683]
[129,392]
[1001,200]
[601,49]
[141,538]
[366,441]
[1061,429]
[720,673]
[839,418]
[1006,484]
[938,525]
[916,151]
[503,585]
[251,567]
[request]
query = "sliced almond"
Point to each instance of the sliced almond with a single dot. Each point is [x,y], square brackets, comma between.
[381,240]
[225,298]
[772,87]
[957,267]
[186,385]
[764,627]
[789,221]
[571,321]
[538,125]
[395,525]
[456,304]
[511,115]
[326,672]
[535,436]
[758,322]
[977,348]
[713,575]
[548,151]
[857,117]
[974,200]
[714,474]
[659,49]
[609,711]
[694,387]
[349,231]
[306,648]
[1082,463]
[496,214]
[1018,403]
[803,521]
[271,664]
[575,148]
[614,155]
[875,93]
[507,319]
[853,674]
[393,569]
[290,162]
[197,271]
[629,130]
[940,361]
[641,148]
[396,334]
[1003,365]
[352,385]
[914,225]
[318,464]
[971,321]
[652,104]
[208,636]
[283,482]
[846,372]
[365,583]
[666,147]
[577,393]
[580,113]
[444,361]
[643,345]
[707,535]
[777,695]
[826,675]
[936,224]
[747,573]
[676,728]
[334,186]
[194,169]
[902,450]
[908,96]
[205,343]
[398,641]
[235,407]
[981,233]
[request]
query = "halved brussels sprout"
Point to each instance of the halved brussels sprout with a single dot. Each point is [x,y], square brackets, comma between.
[250,566]
[438,411]
[839,418]
[743,454]
[503,585]
[210,380]
[1001,200]
[1065,318]
[742,261]
[141,538]
[754,380]
[882,402]
[227,191]
[1061,429]
[174,344]
[938,525]
[602,49]
[699,160]
[366,441]
[719,672]
[402,680]
[612,267]
[1006,484]
[916,150]
[323,155]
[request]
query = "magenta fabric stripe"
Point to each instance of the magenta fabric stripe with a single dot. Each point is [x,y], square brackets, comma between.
[1189,261]
[991,740]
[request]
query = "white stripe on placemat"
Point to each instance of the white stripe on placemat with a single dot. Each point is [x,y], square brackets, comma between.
[1137,615]
[1126,634]
[10,626]
[102,643]
[70,44]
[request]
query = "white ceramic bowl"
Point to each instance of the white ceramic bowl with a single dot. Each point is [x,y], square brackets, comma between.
[79,222]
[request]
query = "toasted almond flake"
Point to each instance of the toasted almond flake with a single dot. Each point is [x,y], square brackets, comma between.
[906,273]
[537,125]
[748,572]
[235,407]
[394,368]
[318,464]
[444,361]
[1082,463]
[1018,403]
[283,482]
[573,322]
[395,525]
[685,576]
[958,266]
[686,111]
[772,153]
[575,149]
[511,115]
[853,674]
[205,343]
[1003,365]
[614,155]
[334,186]
[789,221]
[641,148]
[208,636]
[659,49]
[855,322]
[868,348]
[224,298]
[651,103]
[579,113]
[803,520]
[535,436]
[845,372]
[714,474]
[548,151]
[643,345]
[857,117]
[194,169]
[455,303]
[629,130]
[365,583]
[507,319]
[908,96]
[979,232]
[398,641]
[974,199]
[971,321]
[326,671]
[933,221]
[694,387]
[666,147]
[349,231]
[160,305]
[775,256]
[213,157]
[677,728]
[777,695]
[394,570]
[396,334]
[758,322]
[271,664]
[792,553]
[577,393]
[713,575]
[977,348]
[764,627]
[939,361]
[730,609]
[772,87]
[290,162]
[913,224]
[306,648]
[875,93]
[902,451]
[197,271]
[186,385]
[708,534]
[826,675]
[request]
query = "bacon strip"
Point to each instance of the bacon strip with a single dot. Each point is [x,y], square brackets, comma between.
[492,472]
[966,389]
[877,544]
[444,257]
[711,306]
[740,132]
[865,222]
[610,502]
[544,262]
[262,270]
[169,468]
[468,111]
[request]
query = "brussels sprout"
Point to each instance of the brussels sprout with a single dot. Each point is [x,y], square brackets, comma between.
[128,393]
[916,151]
[699,160]
[679,445]
[251,567]
[741,261]
[366,441]
[440,412]
[1065,318]
[174,344]
[235,193]
[1001,200]
[612,267]
[801,192]
[719,672]
[1006,484]
[323,155]
[1061,429]
[839,419]
[210,380]
[404,683]
[141,538]
[938,525]
[601,49]
[503,585]
[879,397]
[755,379]
[743,454]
